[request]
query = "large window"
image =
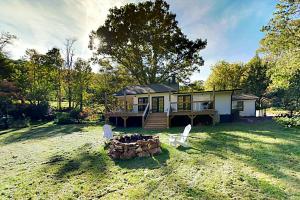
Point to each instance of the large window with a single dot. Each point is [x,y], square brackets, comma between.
[142,103]
[184,102]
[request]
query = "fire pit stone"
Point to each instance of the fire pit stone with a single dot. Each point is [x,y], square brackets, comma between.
[136,145]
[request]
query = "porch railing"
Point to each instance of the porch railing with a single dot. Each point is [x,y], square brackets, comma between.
[130,108]
[194,106]
[145,114]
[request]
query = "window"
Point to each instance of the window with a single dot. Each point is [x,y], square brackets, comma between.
[184,102]
[240,106]
[142,103]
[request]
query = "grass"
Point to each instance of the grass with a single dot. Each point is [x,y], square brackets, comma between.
[241,161]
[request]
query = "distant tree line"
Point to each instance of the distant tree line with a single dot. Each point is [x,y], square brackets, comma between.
[275,74]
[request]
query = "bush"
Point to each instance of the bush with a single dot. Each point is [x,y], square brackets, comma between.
[63,118]
[74,116]
[78,115]
[288,121]
[20,123]
[39,111]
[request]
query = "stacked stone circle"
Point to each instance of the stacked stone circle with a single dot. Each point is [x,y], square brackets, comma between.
[126,147]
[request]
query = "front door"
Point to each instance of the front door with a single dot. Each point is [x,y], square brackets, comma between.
[157,104]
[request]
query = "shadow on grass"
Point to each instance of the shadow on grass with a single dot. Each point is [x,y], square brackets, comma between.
[153,162]
[86,161]
[42,132]
[267,157]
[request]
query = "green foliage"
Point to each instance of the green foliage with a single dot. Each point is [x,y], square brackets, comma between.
[282,34]
[38,111]
[74,116]
[226,75]
[82,76]
[288,121]
[256,80]
[146,40]
[6,67]
[20,123]
[281,48]
[63,118]
[194,86]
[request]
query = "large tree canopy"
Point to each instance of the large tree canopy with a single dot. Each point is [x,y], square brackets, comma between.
[281,44]
[256,80]
[225,75]
[146,40]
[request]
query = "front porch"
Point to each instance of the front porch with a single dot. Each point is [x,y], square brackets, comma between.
[143,111]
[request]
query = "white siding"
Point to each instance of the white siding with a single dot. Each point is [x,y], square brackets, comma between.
[223,103]
[249,108]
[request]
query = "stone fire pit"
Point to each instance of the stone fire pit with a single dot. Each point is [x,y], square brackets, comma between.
[137,145]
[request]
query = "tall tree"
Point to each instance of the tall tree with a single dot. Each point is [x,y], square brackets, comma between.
[146,40]
[281,43]
[82,75]
[69,62]
[281,47]
[55,61]
[225,75]
[256,80]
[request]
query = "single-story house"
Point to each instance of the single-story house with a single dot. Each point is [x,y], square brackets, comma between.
[245,104]
[163,105]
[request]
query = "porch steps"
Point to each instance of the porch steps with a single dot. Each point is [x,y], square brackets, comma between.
[156,121]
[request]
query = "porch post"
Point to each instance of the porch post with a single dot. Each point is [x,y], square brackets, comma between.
[125,100]
[125,121]
[150,104]
[192,119]
[214,98]
[192,100]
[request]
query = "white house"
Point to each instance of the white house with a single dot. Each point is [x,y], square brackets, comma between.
[163,105]
[245,104]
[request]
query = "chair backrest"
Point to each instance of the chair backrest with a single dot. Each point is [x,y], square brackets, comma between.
[107,132]
[185,133]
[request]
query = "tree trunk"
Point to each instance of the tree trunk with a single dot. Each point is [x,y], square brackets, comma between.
[70,97]
[81,101]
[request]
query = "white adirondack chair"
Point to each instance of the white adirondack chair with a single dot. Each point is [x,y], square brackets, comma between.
[177,140]
[107,132]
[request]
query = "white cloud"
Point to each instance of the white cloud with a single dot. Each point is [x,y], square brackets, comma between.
[45,24]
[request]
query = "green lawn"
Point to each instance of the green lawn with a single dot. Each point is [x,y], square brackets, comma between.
[241,161]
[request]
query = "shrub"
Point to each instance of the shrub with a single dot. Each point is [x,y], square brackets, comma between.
[39,111]
[78,115]
[288,121]
[63,118]
[20,123]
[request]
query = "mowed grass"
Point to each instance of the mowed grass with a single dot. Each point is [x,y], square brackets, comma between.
[239,160]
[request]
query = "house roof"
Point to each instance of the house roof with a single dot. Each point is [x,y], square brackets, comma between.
[145,89]
[244,97]
[208,91]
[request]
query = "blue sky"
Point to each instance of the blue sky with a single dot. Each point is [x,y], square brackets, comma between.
[232,27]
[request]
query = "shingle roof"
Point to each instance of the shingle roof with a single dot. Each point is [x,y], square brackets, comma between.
[145,89]
[244,97]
